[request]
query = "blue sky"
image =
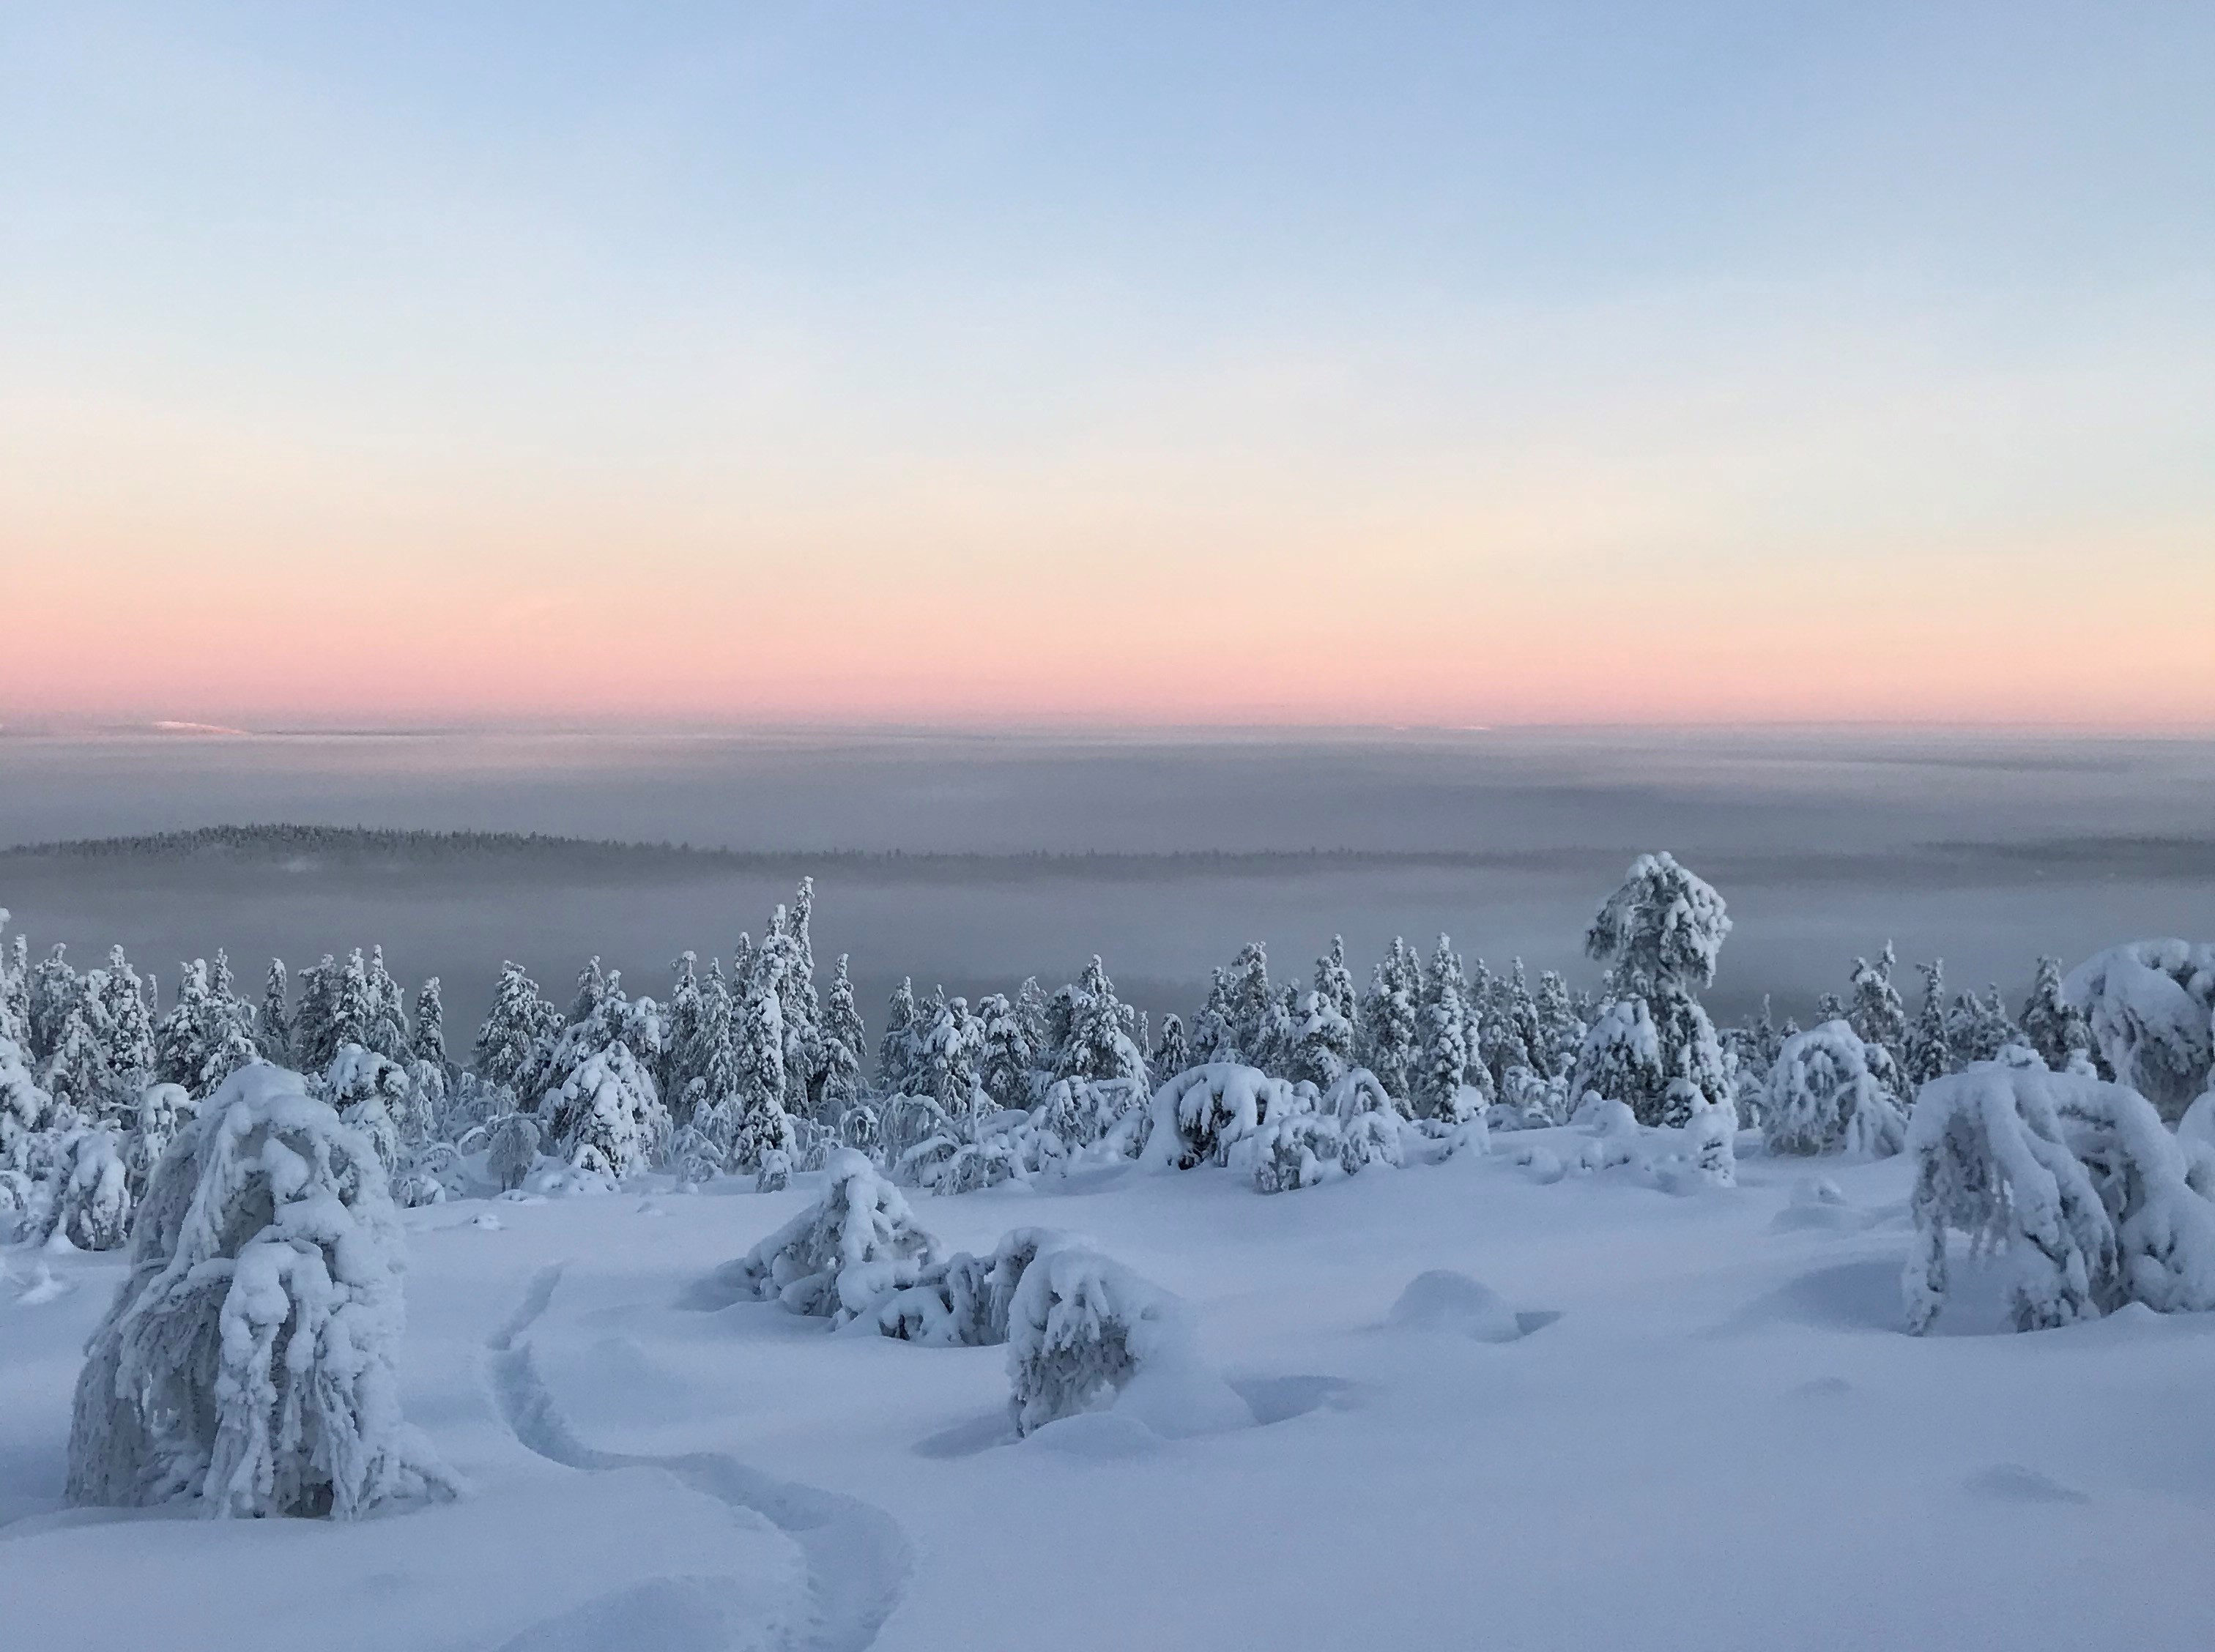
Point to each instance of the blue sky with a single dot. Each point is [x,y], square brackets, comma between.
[450,298]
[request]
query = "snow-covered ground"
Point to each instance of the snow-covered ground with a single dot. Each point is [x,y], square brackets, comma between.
[1711,1432]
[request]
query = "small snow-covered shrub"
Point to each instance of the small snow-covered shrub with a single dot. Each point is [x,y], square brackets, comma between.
[776,1171]
[2077,1180]
[1079,1328]
[163,1110]
[1822,1097]
[511,1150]
[91,1205]
[433,1174]
[964,1301]
[246,1359]
[1711,1141]
[2151,1006]
[1199,1115]
[1296,1152]
[840,1256]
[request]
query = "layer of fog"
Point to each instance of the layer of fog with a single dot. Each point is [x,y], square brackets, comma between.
[1988,851]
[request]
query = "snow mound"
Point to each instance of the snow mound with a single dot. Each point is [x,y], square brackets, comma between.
[1444,1300]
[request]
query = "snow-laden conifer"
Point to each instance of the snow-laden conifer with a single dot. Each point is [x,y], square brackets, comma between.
[1080,1327]
[2075,1179]
[2149,1005]
[841,1257]
[247,1360]
[1822,1097]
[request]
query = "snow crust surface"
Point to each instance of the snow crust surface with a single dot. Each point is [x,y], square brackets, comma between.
[1707,1428]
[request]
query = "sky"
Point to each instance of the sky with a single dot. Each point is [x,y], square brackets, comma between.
[1128,364]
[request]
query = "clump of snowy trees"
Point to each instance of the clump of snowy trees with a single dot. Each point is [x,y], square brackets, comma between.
[1077,1325]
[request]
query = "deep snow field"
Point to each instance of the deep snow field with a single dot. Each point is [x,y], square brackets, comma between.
[1711,1432]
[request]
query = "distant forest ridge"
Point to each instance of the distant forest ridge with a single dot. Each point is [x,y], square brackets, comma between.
[375,850]
[359,844]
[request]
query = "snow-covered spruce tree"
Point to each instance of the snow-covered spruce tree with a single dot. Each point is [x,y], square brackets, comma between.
[2151,1007]
[2076,1178]
[273,1026]
[1172,1053]
[801,1005]
[846,1042]
[1391,1023]
[202,1041]
[1929,1054]
[601,1111]
[1978,1028]
[77,1075]
[1005,1058]
[92,1203]
[2054,1027]
[517,1038]
[1822,1097]
[1214,1030]
[1507,1035]
[15,985]
[1252,1006]
[247,1360]
[687,1012]
[1659,935]
[52,992]
[27,1109]
[163,1110]
[1336,982]
[1202,1113]
[896,1049]
[1098,1044]
[1446,1059]
[1079,1328]
[760,1125]
[844,1254]
[1561,1028]
[1322,1045]
[1875,1012]
[949,1052]
[427,1041]
[117,998]
[370,1097]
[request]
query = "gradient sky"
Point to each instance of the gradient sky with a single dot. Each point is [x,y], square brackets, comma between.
[1130,363]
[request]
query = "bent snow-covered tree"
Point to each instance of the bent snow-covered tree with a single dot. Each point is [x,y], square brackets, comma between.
[2151,1007]
[247,1360]
[2077,1180]
[1200,1114]
[1821,1097]
[1079,1328]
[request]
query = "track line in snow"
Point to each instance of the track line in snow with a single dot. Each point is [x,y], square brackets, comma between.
[857,1556]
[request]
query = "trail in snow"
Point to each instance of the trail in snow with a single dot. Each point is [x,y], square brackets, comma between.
[857,1558]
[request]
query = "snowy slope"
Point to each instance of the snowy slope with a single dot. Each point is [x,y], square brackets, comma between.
[1712,1434]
